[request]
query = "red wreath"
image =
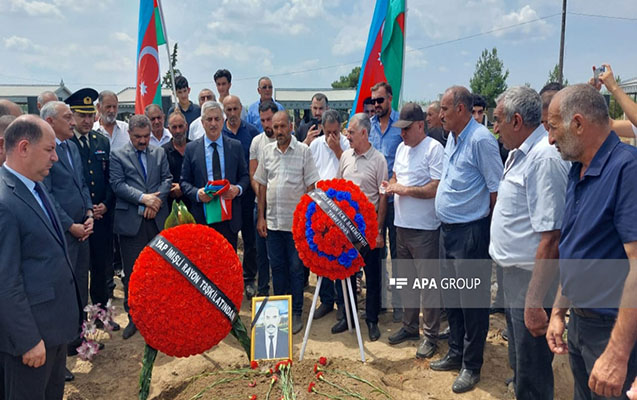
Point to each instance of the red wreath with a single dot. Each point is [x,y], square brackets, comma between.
[169,312]
[329,238]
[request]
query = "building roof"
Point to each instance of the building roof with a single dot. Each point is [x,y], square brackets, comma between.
[629,86]
[19,93]
[292,98]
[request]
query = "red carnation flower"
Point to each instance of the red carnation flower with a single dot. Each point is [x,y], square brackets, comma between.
[253,397]
[254,364]
[311,388]
[328,238]
[170,313]
[319,375]
[323,361]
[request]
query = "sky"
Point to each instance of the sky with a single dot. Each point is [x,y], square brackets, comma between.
[310,43]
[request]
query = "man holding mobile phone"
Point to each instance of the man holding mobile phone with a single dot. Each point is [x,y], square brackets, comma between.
[308,131]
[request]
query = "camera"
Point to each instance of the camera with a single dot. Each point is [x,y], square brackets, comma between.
[316,122]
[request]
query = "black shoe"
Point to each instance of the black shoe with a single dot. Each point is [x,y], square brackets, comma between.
[402,335]
[68,375]
[114,325]
[445,333]
[374,332]
[496,310]
[322,311]
[129,330]
[426,349]
[250,291]
[446,363]
[297,323]
[466,381]
[340,313]
[505,334]
[340,326]
[398,315]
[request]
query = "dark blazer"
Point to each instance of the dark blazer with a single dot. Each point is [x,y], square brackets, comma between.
[38,294]
[194,175]
[96,168]
[282,344]
[67,186]
[127,181]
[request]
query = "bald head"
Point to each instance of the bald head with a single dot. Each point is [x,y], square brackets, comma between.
[9,108]
[30,147]
[232,108]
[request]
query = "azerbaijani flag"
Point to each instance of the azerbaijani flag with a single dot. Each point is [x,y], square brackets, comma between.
[150,35]
[218,209]
[384,54]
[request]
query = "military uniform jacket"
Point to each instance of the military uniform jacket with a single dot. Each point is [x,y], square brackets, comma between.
[96,163]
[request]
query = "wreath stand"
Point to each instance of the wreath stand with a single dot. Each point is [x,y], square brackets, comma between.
[348,302]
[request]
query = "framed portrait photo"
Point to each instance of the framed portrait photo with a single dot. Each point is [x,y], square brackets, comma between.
[271,328]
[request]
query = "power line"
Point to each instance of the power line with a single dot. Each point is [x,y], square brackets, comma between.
[356,62]
[602,16]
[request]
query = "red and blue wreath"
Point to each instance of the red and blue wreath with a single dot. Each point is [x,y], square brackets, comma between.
[322,246]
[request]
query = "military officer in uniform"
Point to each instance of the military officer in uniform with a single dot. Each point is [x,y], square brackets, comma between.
[94,149]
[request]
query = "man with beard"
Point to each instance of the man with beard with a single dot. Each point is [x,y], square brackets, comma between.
[264,88]
[240,130]
[95,153]
[159,135]
[116,131]
[175,150]
[285,173]
[311,129]
[385,138]
[267,110]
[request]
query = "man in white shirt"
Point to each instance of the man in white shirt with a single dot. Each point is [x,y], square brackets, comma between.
[159,135]
[108,125]
[414,182]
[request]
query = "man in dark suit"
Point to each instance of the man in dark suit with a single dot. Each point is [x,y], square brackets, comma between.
[213,157]
[270,341]
[141,179]
[94,149]
[71,197]
[39,300]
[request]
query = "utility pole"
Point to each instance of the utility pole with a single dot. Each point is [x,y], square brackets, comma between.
[561,65]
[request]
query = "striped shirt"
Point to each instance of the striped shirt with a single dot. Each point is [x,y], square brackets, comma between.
[286,177]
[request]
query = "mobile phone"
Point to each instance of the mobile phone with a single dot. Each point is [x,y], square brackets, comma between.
[597,71]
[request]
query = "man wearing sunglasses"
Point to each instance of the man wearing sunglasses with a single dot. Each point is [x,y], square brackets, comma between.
[385,138]
[265,90]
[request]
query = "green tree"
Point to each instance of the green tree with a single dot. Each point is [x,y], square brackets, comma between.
[614,109]
[166,81]
[349,81]
[554,76]
[489,78]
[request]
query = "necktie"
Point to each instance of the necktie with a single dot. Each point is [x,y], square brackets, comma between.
[271,350]
[48,209]
[216,163]
[139,157]
[65,149]
[84,148]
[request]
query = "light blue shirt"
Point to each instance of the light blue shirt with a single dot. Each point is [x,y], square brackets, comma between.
[253,116]
[386,142]
[531,200]
[471,170]
[30,185]
[209,150]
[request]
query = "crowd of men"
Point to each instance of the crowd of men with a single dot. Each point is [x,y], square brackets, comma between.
[548,195]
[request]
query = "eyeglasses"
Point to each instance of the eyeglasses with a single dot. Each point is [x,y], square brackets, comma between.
[378,100]
[266,87]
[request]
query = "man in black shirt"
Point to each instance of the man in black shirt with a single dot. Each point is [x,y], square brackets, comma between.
[175,153]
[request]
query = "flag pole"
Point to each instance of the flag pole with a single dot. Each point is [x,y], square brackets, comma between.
[170,64]
[402,76]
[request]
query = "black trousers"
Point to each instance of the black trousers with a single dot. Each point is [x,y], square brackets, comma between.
[464,254]
[101,245]
[373,280]
[248,233]
[224,229]
[79,252]
[21,382]
[131,246]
